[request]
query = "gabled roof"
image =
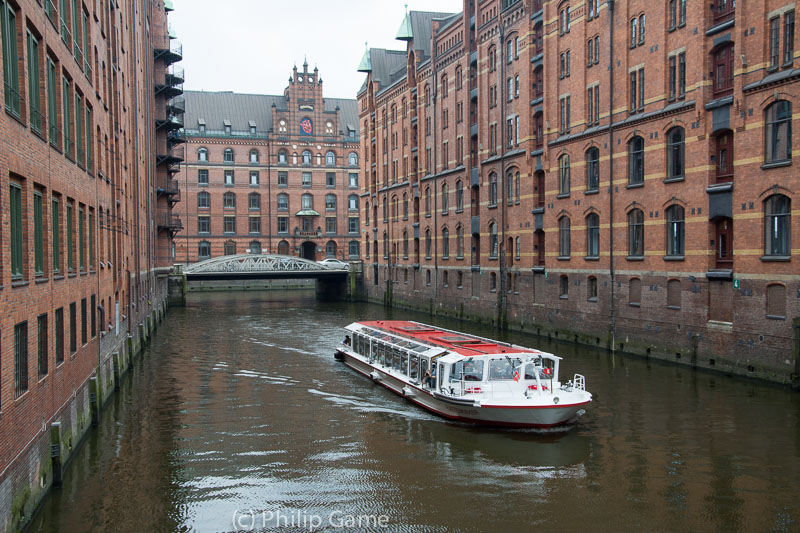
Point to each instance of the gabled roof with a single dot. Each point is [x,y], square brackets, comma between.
[422,29]
[241,110]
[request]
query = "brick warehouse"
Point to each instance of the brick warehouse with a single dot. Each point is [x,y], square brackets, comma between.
[271,174]
[506,155]
[90,91]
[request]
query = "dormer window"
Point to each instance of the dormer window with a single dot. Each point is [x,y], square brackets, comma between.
[252,128]
[201,125]
[227,126]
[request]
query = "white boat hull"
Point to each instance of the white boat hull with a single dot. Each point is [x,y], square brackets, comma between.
[539,412]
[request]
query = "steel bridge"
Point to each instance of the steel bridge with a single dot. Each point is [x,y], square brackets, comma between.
[258,266]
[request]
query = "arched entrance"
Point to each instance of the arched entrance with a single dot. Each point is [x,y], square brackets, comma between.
[308,250]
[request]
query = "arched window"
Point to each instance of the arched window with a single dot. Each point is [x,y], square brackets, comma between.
[203,199]
[319,159]
[776,300]
[385,210]
[777,224]
[330,202]
[459,196]
[428,243]
[306,157]
[563,174]
[636,233]
[592,169]
[564,236]
[445,198]
[517,184]
[294,158]
[283,248]
[228,155]
[674,294]
[459,78]
[593,236]
[636,161]
[444,86]
[203,250]
[635,292]
[778,132]
[283,202]
[230,247]
[427,201]
[675,153]
[366,212]
[722,57]
[202,155]
[330,158]
[405,244]
[282,160]
[307,201]
[510,187]
[493,244]
[563,287]
[460,242]
[675,230]
[591,288]
[255,247]
[723,153]
[352,159]
[445,243]
[254,201]
[405,206]
[517,248]
[254,156]
[492,189]
[229,200]
[352,202]
[330,249]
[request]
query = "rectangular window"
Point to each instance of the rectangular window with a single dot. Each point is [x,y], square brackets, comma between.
[91,239]
[590,105]
[774,41]
[73,328]
[283,179]
[330,224]
[8,25]
[681,75]
[52,103]
[202,177]
[89,141]
[16,223]
[673,76]
[788,37]
[352,224]
[84,325]
[20,359]
[59,336]
[66,97]
[353,180]
[228,178]
[56,208]
[641,89]
[633,92]
[203,224]
[230,224]
[255,224]
[283,224]
[38,234]
[253,177]
[306,179]
[330,179]
[70,241]
[34,81]
[93,315]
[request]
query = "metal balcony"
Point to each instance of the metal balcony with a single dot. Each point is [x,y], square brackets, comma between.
[176,106]
[172,159]
[176,137]
[171,190]
[170,55]
[171,123]
[170,223]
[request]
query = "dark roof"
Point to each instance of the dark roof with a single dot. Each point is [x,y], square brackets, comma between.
[421,25]
[240,109]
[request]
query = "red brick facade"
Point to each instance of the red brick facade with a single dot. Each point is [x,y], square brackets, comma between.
[78,130]
[542,136]
[271,174]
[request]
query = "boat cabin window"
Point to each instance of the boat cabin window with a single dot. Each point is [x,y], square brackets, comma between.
[403,362]
[457,371]
[473,370]
[537,367]
[500,369]
[413,371]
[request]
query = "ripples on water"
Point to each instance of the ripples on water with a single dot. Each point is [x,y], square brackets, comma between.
[238,404]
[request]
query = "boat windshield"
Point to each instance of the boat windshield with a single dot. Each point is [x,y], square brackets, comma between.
[467,370]
[501,369]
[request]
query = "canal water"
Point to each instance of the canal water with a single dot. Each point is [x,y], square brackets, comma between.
[238,417]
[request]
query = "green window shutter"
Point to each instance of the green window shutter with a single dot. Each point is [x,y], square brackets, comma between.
[16,231]
[79,128]
[65,97]
[34,95]
[56,237]
[81,245]
[89,140]
[38,234]
[70,242]
[91,240]
[8,25]
[52,103]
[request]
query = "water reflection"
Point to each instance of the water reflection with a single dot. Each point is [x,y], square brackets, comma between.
[238,405]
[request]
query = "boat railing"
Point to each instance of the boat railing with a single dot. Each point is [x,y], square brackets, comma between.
[579,382]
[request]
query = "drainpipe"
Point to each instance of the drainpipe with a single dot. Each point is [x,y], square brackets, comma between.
[435,232]
[269,195]
[613,314]
[501,296]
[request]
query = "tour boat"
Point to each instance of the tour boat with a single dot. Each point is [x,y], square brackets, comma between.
[464,377]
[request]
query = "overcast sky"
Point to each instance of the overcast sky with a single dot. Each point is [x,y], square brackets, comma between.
[250,46]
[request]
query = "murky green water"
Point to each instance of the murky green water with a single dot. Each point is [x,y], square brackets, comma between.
[238,416]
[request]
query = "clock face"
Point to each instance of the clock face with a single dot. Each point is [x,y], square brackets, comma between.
[306,128]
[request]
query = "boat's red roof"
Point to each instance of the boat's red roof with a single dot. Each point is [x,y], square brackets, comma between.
[461,343]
